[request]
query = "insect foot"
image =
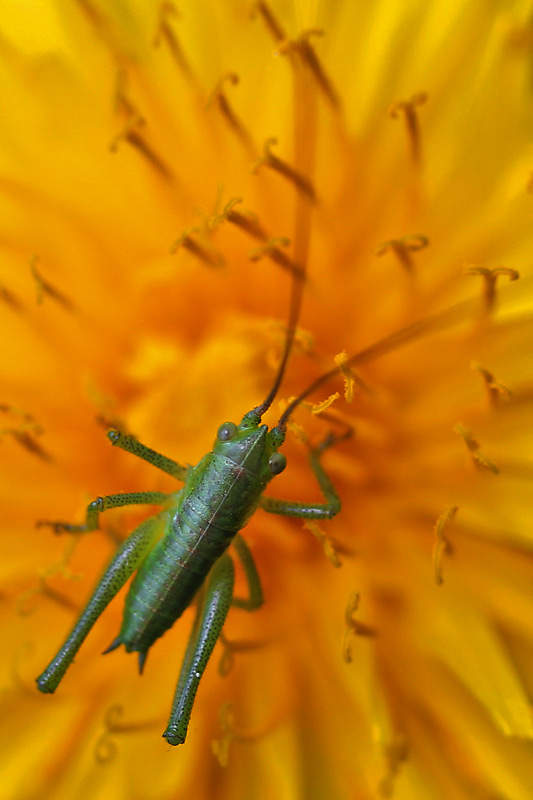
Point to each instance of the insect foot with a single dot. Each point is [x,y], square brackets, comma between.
[56,525]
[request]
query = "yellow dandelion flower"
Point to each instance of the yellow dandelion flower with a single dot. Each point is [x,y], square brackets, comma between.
[166,174]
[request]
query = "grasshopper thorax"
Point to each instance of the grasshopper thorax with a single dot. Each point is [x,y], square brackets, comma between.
[251,446]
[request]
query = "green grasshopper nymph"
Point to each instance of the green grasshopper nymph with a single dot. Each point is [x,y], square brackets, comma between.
[199,522]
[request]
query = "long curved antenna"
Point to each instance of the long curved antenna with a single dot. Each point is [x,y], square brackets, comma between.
[427,325]
[304,157]
[294,313]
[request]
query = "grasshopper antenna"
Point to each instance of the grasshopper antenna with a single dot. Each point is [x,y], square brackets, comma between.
[294,313]
[428,325]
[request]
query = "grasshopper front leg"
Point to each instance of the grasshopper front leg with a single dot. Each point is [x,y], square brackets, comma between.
[101,504]
[325,510]
[122,565]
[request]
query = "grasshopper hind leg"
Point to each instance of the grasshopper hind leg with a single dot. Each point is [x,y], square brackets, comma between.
[210,617]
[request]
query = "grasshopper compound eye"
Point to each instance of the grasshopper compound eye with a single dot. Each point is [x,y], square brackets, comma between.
[277,463]
[226,431]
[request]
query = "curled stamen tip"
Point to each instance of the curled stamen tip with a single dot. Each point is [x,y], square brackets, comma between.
[133,123]
[478,457]
[267,154]
[266,249]
[491,273]
[407,106]
[353,627]
[442,544]
[186,234]
[290,45]
[216,219]
[230,77]
[495,389]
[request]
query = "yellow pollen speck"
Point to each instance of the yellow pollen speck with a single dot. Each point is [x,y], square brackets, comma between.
[350,379]
[318,408]
[479,459]
[298,432]
[442,544]
[327,544]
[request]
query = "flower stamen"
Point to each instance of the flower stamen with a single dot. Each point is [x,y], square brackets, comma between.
[479,458]
[25,432]
[442,544]
[319,408]
[490,276]
[495,389]
[248,221]
[231,733]
[302,46]
[218,96]
[106,748]
[408,109]
[231,648]
[250,224]
[350,378]
[402,249]
[132,135]
[302,183]
[165,32]
[45,288]
[270,21]
[11,299]
[208,255]
[271,250]
[328,546]
[353,627]
[395,754]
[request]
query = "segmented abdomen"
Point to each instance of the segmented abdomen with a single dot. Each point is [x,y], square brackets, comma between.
[215,504]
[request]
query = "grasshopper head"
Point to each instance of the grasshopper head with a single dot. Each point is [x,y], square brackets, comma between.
[252,446]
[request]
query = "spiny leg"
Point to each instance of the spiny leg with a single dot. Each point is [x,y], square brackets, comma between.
[210,618]
[132,445]
[255,598]
[101,504]
[315,510]
[122,565]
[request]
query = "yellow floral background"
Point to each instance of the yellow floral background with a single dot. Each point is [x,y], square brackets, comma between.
[392,657]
